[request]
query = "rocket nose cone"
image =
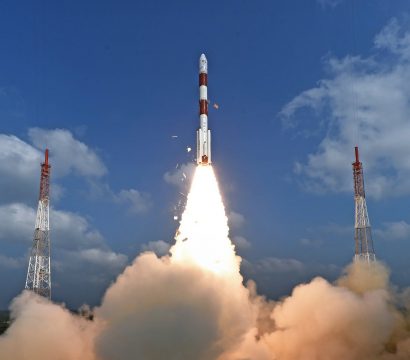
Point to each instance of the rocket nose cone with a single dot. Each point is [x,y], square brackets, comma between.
[203,64]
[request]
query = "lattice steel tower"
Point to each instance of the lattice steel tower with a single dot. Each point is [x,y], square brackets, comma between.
[362,231]
[38,273]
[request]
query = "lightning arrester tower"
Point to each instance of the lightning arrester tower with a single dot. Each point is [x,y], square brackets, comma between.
[38,273]
[362,231]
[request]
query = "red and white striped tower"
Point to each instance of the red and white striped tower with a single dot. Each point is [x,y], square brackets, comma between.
[362,231]
[203,135]
[39,272]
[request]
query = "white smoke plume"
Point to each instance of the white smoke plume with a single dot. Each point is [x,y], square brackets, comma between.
[356,319]
[192,305]
[43,330]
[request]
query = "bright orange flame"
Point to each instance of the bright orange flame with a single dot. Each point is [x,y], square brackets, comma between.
[202,237]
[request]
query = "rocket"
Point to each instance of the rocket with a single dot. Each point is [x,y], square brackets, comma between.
[203,134]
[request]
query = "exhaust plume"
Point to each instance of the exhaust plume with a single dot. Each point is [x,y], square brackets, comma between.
[190,305]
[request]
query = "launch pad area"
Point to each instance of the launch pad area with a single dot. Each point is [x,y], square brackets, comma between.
[4,320]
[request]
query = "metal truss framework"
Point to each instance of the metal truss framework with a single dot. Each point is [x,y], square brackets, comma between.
[362,230]
[38,272]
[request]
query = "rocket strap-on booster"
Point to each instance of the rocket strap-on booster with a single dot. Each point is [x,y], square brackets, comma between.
[203,134]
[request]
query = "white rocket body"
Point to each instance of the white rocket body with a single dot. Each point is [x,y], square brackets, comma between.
[203,134]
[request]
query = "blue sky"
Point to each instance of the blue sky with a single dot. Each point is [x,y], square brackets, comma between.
[298,84]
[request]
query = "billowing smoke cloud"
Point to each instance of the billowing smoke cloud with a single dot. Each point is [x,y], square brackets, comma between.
[355,319]
[159,308]
[192,304]
[42,330]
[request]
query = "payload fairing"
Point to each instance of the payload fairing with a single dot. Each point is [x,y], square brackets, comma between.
[203,134]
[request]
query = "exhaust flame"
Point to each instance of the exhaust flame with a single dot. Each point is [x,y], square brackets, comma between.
[202,237]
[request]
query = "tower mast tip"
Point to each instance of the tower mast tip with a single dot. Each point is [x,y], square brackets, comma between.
[46,157]
[356,151]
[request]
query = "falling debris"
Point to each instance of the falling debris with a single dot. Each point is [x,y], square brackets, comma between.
[183,174]
[174,136]
[175,217]
[216,106]
[188,149]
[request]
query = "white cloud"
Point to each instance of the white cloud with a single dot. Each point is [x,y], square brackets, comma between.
[395,39]
[364,101]
[103,257]
[19,169]
[241,243]
[181,176]
[73,231]
[69,230]
[67,153]
[20,163]
[399,230]
[88,267]
[76,246]
[235,220]
[17,223]
[10,262]
[159,247]
[138,202]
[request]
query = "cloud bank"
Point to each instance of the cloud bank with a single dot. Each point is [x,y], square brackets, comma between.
[364,101]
